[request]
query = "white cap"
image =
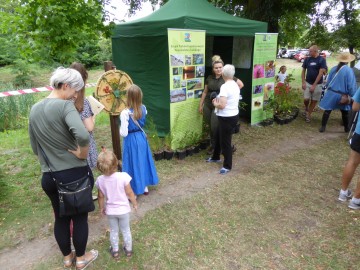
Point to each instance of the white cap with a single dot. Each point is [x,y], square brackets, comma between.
[357,65]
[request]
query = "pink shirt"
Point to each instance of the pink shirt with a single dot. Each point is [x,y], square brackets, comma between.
[113,187]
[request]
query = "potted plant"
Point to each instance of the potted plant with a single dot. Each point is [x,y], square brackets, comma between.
[205,136]
[168,151]
[190,143]
[195,141]
[283,104]
[181,146]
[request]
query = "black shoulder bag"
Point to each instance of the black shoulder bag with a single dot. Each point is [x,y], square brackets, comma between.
[74,197]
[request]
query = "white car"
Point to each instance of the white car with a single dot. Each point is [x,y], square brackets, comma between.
[289,53]
[326,52]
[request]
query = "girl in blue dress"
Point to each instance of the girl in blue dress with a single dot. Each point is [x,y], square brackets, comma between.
[137,157]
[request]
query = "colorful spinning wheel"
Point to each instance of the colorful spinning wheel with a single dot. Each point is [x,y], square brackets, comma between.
[111,90]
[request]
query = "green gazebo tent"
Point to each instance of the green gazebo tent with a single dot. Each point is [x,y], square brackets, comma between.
[140,48]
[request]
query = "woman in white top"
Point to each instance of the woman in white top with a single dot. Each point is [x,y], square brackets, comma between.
[227,105]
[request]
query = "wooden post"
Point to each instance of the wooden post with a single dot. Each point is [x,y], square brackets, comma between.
[114,122]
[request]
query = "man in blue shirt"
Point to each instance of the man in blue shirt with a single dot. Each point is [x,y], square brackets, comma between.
[312,73]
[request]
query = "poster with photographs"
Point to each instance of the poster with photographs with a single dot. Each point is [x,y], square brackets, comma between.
[187,71]
[263,74]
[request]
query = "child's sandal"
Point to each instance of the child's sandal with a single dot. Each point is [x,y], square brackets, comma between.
[127,252]
[114,254]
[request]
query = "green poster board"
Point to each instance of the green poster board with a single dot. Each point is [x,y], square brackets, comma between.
[263,74]
[187,71]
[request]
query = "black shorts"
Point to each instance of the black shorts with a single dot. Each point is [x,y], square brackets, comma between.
[355,143]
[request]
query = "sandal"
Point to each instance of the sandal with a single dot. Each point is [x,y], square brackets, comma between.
[68,264]
[233,148]
[80,265]
[114,254]
[127,252]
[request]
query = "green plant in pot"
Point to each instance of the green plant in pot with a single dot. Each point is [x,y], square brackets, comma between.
[191,141]
[284,102]
[182,143]
[195,141]
[205,136]
[168,151]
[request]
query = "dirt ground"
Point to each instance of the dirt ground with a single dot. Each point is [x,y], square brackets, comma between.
[28,253]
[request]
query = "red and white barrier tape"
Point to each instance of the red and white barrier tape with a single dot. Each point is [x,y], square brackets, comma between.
[34,90]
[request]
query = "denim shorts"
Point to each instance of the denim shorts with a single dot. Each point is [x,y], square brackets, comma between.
[355,143]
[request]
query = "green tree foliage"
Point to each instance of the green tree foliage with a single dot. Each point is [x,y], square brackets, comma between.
[92,53]
[286,17]
[290,30]
[135,5]
[53,29]
[8,50]
[348,28]
[317,34]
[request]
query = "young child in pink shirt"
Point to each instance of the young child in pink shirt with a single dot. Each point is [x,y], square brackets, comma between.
[114,193]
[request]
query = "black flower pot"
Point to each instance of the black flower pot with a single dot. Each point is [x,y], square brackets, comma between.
[168,154]
[159,155]
[204,144]
[279,119]
[267,122]
[296,112]
[181,154]
[190,151]
[196,148]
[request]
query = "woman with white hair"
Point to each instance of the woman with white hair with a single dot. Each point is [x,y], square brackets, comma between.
[212,88]
[57,132]
[227,111]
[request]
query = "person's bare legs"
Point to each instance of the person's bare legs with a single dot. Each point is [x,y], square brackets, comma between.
[357,190]
[306,104]
[349,170]
[311,108]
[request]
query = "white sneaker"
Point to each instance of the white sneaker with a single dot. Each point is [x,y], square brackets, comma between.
[344,197]
[353,205]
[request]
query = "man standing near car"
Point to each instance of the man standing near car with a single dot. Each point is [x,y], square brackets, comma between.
[314,67]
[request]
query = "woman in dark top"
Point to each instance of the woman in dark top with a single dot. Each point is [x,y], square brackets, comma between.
[212,88]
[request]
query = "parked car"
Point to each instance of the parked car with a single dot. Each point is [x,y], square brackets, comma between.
[281,52]
[292,55]
[303,57]
[300,56]
[326,52]
[289,53]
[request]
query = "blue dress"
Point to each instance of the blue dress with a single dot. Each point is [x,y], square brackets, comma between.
[137,157]
[344,82]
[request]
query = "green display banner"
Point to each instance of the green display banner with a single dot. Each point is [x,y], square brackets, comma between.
[263,80]
[187,70]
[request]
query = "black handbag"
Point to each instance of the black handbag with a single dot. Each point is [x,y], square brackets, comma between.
[74,197]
